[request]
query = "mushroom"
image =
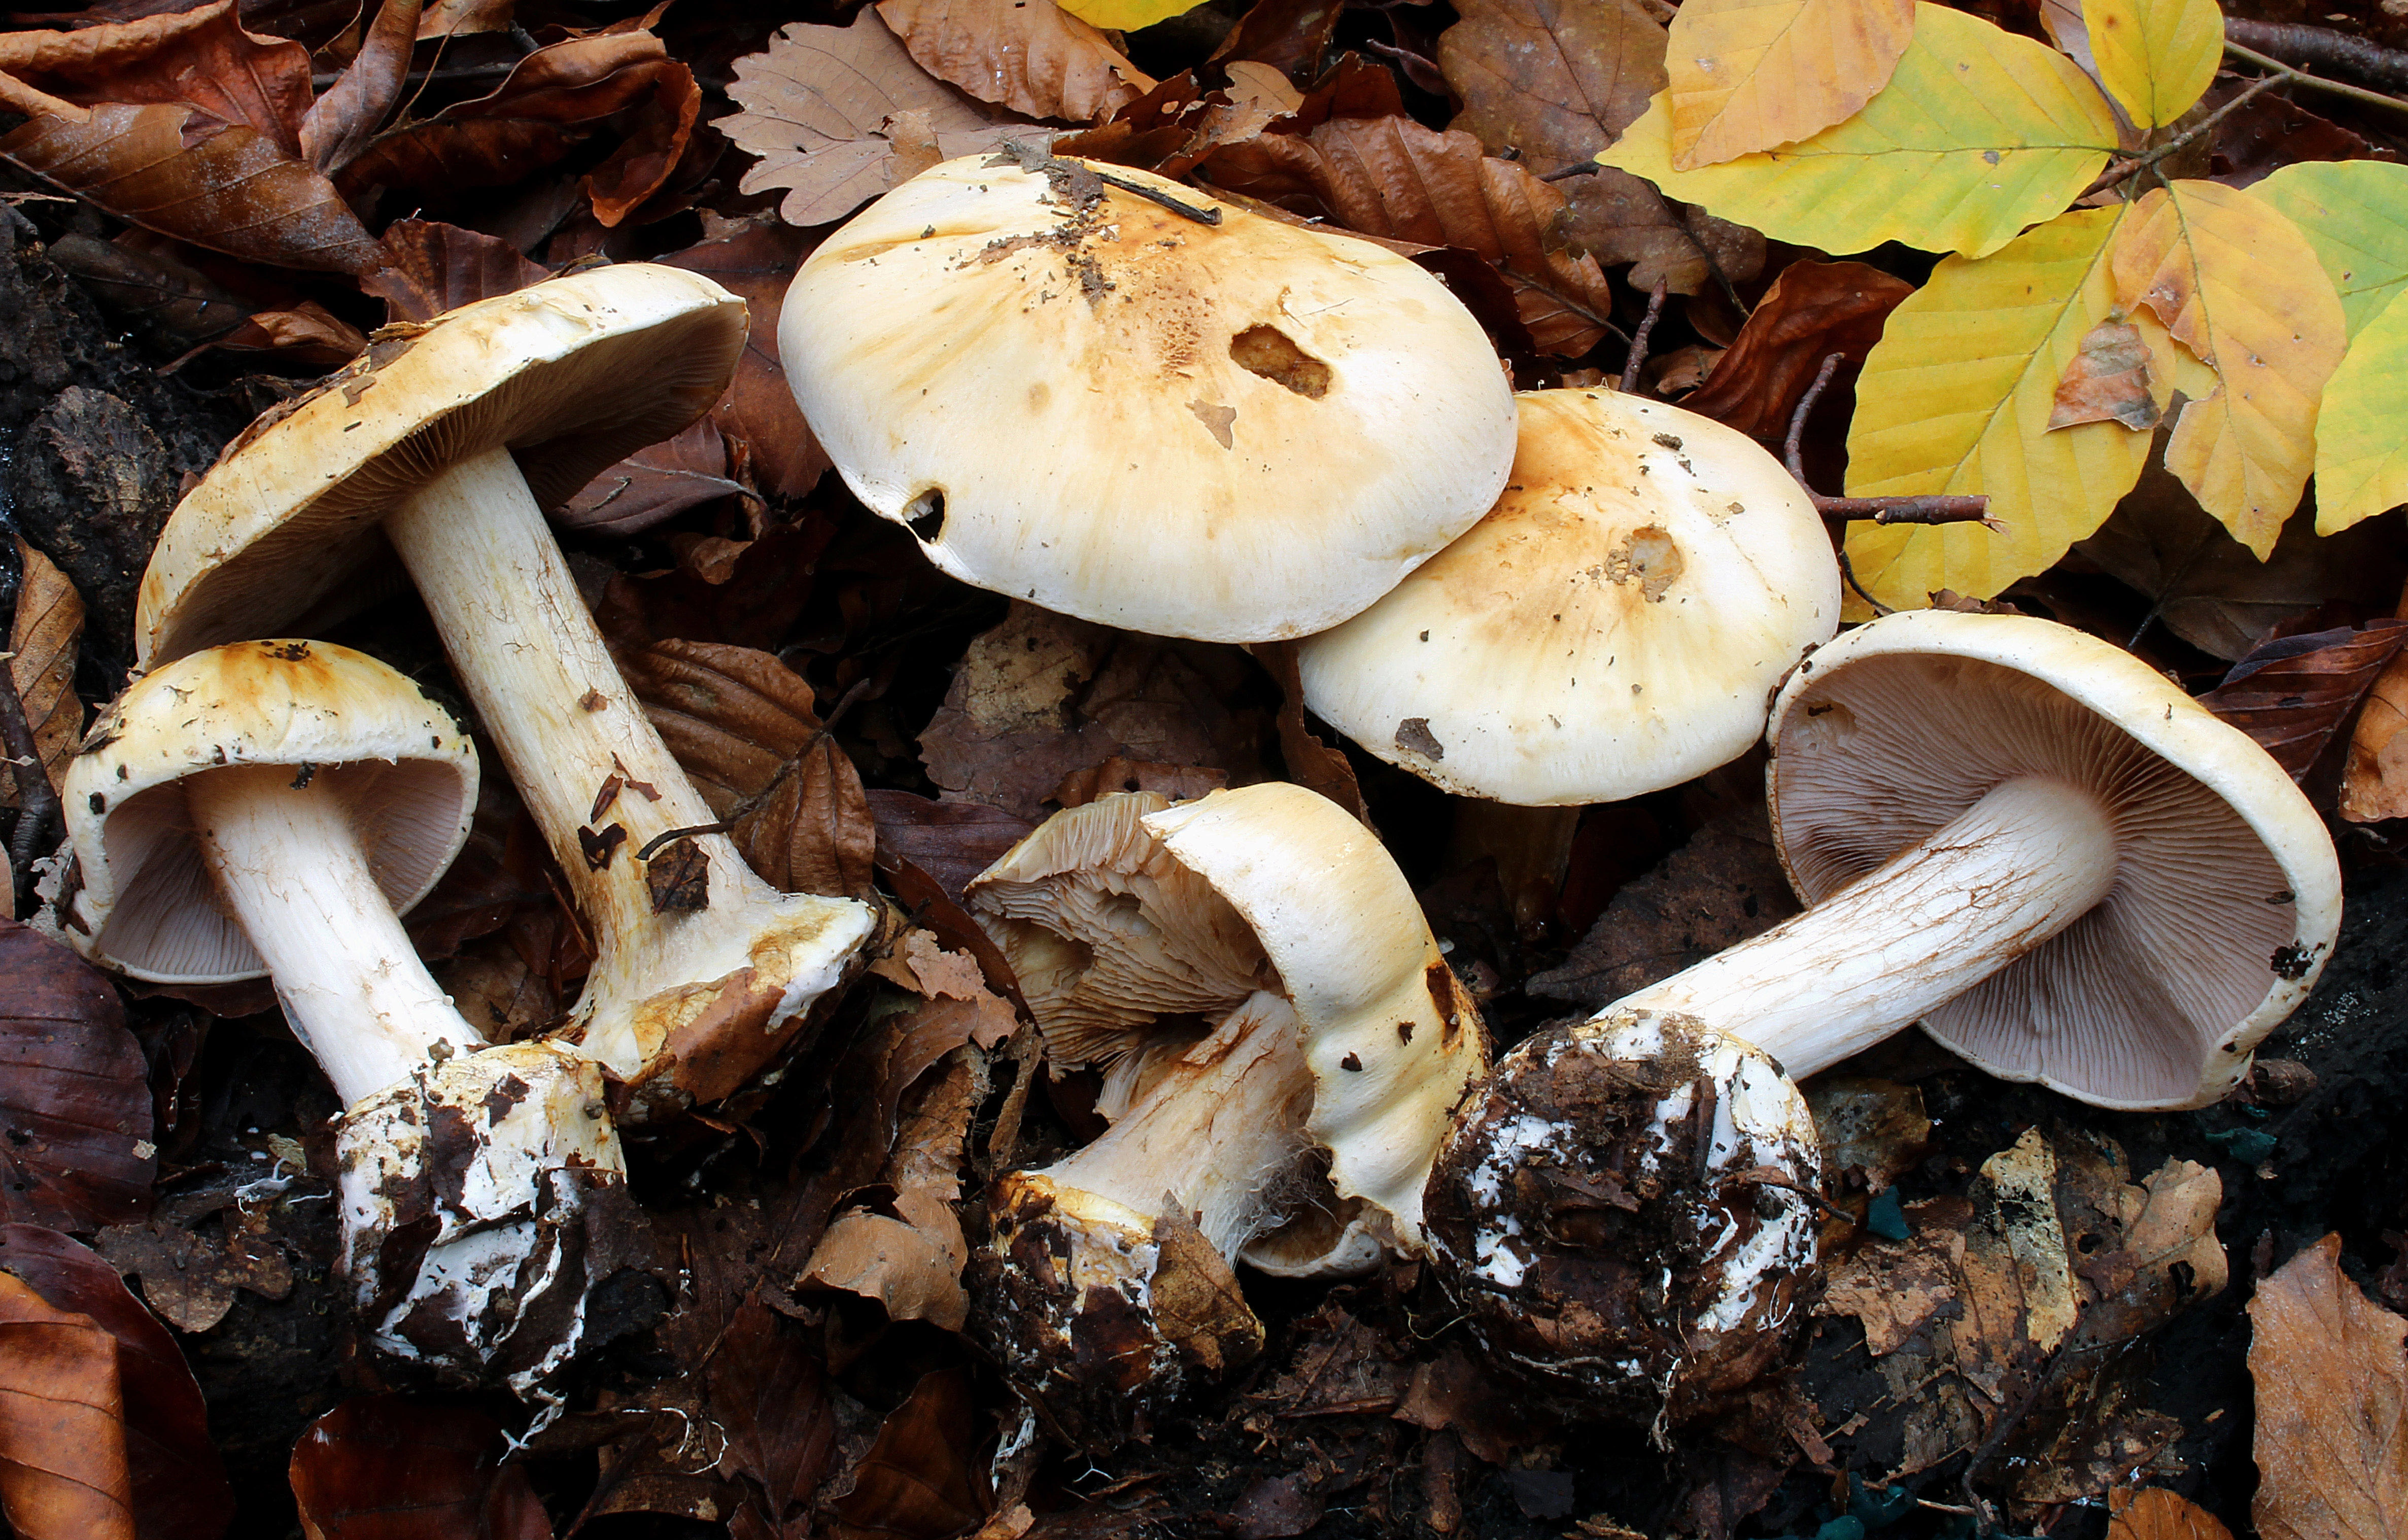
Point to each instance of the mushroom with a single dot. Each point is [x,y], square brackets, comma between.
[1291,1122]
[1025,358]
[2067,869]
[452,438]
[272,808]
[1615,625]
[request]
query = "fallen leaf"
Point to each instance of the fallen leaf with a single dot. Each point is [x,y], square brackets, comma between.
[342,121]
[63,1459]
[1028,55]
[951,842]
[2156,1514]
[758,413]
[1746,75]
[74,1098]
[1616,217]
[911,1264]
[190,1267]
[1979,135]
[2156,56]
[307,336]
[2268,131]
[2107,379]
[2238,286]
[1179,782]
[2362,427]
[179,1491]
[655,483]
[1813,310]
[392,1467]
[427,267]
[173,169]
[42,638]
[2293,694]
[203,58]
[1551,81]
[769,1392]
[2332,1394]
[1288,35]
[179,306]
[920,1479]
[2355,213]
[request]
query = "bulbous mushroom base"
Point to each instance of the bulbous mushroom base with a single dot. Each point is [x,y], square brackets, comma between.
[464,1196]
[1622,1215]
[1100,1316]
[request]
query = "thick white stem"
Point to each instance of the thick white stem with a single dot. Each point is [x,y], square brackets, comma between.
[291,867]
[2014,869]
[1222,1128]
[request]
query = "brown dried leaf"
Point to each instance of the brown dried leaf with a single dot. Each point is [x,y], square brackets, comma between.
[180,306]
[758,412]
[655,483]
[2293,694]
[75,1102]
[2374,780]
[342,121]
[1309,761]
[425,267]
[172,169]
[1176,124]
[922,1479]
[952,842]
[1617,218]
[43,636]
[189,1268]
[820,110]
[2332,1405]
[309,336]
[911,1264]
[1723,886]
[1197,1305]
[1179,782]
[62,1467]
[2107,379]
[769,1392]
[2268,131]
[202,58]
[2156,1514]
[1288,37]
[1028,55]
[388,1467]
[1553,81]
[179,1483]
[1813,310]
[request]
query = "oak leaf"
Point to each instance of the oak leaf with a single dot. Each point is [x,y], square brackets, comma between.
[1031,56]
[1752,75]
[2332,1405]
[64,1473]
[42,641]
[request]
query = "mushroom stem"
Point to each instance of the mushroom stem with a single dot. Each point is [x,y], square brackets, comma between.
[601,785]
[2021,865]
[292,869]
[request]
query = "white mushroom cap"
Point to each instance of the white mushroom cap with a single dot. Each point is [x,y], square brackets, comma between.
[1615,625]
[2227,894]
[1237,431]
[339,717]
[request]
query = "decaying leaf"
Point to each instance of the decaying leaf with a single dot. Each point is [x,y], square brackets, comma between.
[428,267]
[2107,380]
[1747,76]
[62,1461]
[2239,288]
[42,637]
[1551,81]
[74,1098]
[347,115]
[392,1466]
[657,482]
[2293,694]
[1813,310]
[194,1252]
[922,1477]
[1031,56]
[203,58]
[2332,1405]
[758,412]
[2156,1514]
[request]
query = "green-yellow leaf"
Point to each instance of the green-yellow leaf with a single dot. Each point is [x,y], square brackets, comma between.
[1127,15]
[1979,134]
[2355,213]
[2241,290]
[1751,75]
[2362,431]
[1957,397]
[2155,55]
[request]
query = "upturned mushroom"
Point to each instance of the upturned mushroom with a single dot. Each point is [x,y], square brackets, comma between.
[451,439]
[1029,360]
[1615,625]
[2065,868]
[1291,1120]
[271,807]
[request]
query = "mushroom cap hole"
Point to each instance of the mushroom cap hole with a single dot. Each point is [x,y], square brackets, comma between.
[2154,996]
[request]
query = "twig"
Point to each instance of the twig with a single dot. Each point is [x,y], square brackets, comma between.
[37,803]
[1150,195]
[2317,82]
[2123,168]
[2370,64]
[1578,168]
[1637,358]
[665,835]
[1920,508]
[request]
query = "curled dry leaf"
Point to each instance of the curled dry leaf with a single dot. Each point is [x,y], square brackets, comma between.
[1028,55]
[179,1491]
[390,1467]
[173,169]
[2374,779]
[340,122]
[2332,1405]
[43,635]
[2293,694]
[655,483]
[828,110]
[309,336]
[203,58]
[1813,310]
[190,1266]
[74,1098]
[64,1473]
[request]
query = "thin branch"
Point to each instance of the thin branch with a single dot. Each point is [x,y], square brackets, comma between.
[2141,161]
[1565,173]
[1793,454]
[2317,82]
[1921,508]
[1637,358]
[2321,47]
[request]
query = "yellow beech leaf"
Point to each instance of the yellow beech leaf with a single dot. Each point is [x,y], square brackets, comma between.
[2155,55]
[1750,74]
[1979,134]
[2240,288]
[2362,431]
[1956,398]
[2355,213]
[1127,15]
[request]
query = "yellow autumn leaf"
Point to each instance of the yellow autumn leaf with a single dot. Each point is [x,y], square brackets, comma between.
[2355,213]
[1127,15]
[1957,397]
[2157,56]
[1979,134]
[1751,75]
[2240,288]
[2362,431]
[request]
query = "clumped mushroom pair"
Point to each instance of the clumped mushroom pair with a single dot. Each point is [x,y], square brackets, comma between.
[1284,1045]
[2022,836]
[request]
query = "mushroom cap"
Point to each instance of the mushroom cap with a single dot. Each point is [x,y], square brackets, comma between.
[569,375]
[2226,896]
[342,719]
[1129,907]
[1615,625]
[1236,432]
